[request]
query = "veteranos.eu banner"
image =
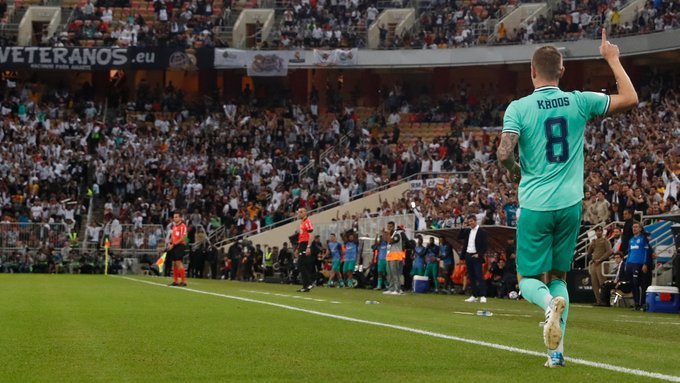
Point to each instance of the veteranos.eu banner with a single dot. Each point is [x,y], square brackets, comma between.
[62,58]
[103,58]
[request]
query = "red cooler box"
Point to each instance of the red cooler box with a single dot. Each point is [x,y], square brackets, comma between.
[663,299]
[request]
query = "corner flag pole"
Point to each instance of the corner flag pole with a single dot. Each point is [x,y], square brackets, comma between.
[107,244]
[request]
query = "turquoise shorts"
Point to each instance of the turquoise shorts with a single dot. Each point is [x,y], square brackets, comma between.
[382,266]
[335,266]
[546,240]
[348,267]
[432,270]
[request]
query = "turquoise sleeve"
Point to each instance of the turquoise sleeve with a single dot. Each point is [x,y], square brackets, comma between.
[511,120]
[594,104]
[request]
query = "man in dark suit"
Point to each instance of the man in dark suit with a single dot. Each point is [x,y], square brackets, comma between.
[475,244]
[615,196]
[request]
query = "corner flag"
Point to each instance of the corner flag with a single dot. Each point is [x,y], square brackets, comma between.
[161,262]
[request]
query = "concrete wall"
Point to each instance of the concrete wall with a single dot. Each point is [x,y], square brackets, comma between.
[513,19]
[36,13]
[497,55]
[251,16]
[278,236]
[405,18]
[629,12]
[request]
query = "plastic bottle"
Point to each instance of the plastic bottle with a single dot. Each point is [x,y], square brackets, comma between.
[484,313]
[372,302]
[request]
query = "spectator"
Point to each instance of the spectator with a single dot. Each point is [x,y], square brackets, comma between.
[600,250]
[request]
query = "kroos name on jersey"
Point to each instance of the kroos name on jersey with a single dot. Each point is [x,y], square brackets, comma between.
[554,103]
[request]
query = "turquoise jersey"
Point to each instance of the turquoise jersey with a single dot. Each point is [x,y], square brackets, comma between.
[551,125]
[334,248]
[431,254]
[382,251]
[351,251]
[419,257]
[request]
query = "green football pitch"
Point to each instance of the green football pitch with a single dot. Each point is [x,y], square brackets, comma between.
[71,328]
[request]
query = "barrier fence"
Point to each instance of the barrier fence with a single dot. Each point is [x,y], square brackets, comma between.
[15,236]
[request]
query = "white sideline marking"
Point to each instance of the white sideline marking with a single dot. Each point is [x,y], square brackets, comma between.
[514,315]
[649,319]
[504,315]
[289,296]
[604,366]
[646,322]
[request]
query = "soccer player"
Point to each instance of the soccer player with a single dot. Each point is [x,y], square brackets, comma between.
[351,252]
[177,249]
[383,246]
[446,254]
[432,264]
[418,267]
[549,126]
[334,249]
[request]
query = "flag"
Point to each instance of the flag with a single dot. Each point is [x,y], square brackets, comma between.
[161,262]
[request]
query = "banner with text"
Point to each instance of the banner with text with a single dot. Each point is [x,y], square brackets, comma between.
[104,58]
[268,64]
[434,182]
[231,58]
[416,184]
[170,58]
[336,57]
[62,58]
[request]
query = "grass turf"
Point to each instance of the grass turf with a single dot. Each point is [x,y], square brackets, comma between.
[63,328]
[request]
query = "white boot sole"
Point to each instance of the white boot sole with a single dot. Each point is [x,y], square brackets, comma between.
[552,331]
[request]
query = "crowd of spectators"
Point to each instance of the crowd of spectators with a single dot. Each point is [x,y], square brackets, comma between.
[629,166]
[160,23]
[344,24]
[656,16]
[325,24]
[447,24]
[238,165]
[575,20]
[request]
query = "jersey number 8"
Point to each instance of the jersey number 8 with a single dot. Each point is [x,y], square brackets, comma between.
[556,133]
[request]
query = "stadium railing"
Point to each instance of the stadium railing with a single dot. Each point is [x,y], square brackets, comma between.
[218,237]
[661,239]
[141,238]
[149,238]
[584,239]
[367,227]
[15,236]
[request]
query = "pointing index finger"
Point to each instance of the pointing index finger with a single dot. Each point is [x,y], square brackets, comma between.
[604,35]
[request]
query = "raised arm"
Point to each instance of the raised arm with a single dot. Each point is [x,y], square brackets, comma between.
[627,97]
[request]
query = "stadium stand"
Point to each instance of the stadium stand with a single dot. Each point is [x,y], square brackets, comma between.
[232,178]
[305,25]
[239,166]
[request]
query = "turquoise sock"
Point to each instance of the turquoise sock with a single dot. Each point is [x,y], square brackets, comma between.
[535,291]
[379,282]
[558,288]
